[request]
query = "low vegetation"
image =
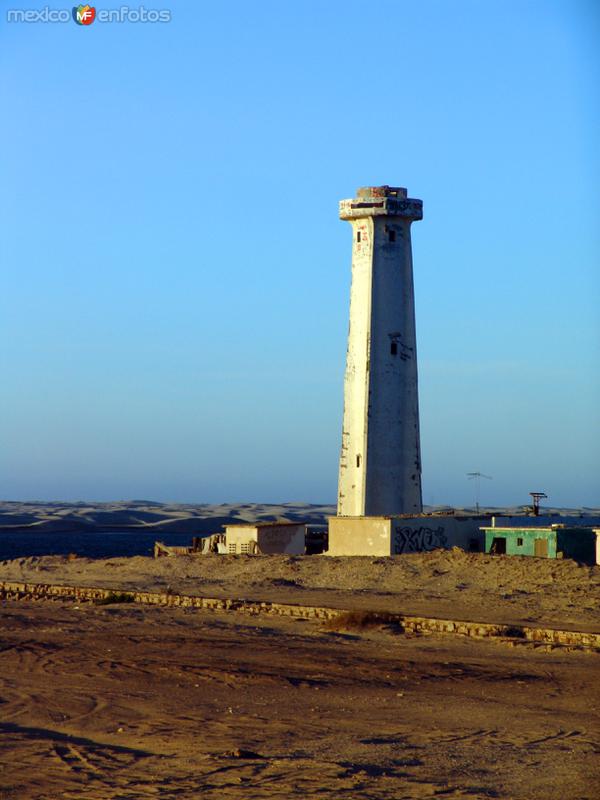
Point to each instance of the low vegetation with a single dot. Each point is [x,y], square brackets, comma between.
[116,597]
[362,620]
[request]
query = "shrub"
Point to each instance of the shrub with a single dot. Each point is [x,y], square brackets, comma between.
[362,620]
[116,597]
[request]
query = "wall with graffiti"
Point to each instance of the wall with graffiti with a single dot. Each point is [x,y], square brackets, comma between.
[412,540]
[390,536]
[418,534]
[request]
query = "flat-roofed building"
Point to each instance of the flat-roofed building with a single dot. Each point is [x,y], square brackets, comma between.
[392,536]
[266,538]
[556,541]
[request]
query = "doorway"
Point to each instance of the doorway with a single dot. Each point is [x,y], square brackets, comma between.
[540,548]
[498,545]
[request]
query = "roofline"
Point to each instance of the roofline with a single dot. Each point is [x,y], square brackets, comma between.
[515,528]
[262,524]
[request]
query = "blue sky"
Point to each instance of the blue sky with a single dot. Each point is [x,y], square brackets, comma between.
[175,280]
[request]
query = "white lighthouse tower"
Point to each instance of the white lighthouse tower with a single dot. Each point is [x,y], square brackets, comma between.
[380,462]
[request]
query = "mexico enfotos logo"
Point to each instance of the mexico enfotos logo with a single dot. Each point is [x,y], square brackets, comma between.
[85,15]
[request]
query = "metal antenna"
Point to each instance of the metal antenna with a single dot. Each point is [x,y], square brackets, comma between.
[477,476]
[537,496]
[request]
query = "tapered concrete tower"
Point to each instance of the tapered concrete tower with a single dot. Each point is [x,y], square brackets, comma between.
[380,463]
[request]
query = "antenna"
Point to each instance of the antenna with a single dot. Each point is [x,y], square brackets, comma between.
[477,476]
[537,496]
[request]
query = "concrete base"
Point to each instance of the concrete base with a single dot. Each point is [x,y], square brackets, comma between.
[389,536]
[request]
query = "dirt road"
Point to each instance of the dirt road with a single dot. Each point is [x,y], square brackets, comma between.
[107,702]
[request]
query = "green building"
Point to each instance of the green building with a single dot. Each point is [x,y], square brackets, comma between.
[557,541]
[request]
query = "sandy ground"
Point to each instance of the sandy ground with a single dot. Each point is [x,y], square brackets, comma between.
[107,702]
[125,702]
[443,583]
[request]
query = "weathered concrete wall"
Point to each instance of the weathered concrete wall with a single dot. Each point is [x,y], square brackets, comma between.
[393,446]
[268,539]
[10,590]
[378,536]
[352,472]
[419,534]
[428,532]
[380,462]
[359,536]
[241,539]
[396,535]
[285,539]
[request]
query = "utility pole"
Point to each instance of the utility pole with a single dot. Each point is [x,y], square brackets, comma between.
[537,496]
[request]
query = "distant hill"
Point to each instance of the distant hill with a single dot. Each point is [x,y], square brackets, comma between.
[143,515]
[147,515]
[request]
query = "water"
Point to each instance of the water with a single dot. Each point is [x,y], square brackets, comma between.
[91,545]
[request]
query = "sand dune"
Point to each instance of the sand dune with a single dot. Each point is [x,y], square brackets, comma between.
[141,515]
[184,518]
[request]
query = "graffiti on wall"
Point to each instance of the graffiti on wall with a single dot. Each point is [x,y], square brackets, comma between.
[413,540]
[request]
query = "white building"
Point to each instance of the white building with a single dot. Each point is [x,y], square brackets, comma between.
[266,538]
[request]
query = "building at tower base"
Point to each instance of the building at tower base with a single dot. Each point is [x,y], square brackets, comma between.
[392,536]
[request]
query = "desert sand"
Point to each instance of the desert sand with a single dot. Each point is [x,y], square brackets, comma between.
[106,702]
[122,701]
[101,702]
[141,515]
[452,583]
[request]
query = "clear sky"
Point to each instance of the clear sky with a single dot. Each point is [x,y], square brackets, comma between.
[175,279]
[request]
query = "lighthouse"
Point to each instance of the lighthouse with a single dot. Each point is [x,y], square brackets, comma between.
[380,461]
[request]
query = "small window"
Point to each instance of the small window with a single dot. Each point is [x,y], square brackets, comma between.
[358,236]
[391,235]
[519,542]
[232,548]
[394,348]
[358,461]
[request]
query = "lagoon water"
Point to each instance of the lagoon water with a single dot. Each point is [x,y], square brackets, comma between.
[91,545]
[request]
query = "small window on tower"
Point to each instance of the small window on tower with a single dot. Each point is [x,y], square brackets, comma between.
[358,236]
[519,542]
[358,461]
[394,348]
[392,235]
